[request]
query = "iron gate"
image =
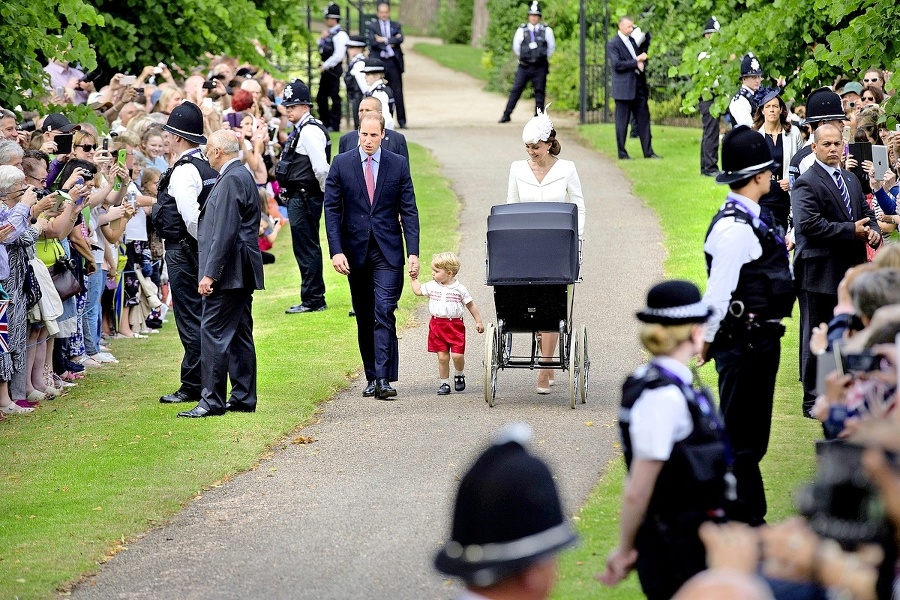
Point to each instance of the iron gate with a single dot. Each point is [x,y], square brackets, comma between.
[593,67]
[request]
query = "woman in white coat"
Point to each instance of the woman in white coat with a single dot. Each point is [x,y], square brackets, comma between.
[544,177]
[771,120]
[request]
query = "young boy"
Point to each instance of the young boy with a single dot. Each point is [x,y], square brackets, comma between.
[446,331]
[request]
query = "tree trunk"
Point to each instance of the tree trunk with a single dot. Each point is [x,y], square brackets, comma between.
[480,19]
[419,15]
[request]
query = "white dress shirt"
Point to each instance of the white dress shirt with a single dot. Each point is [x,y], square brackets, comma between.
[732,245]
[311,142]
[560,184]
[660,417]
[185,186]
[741,111]
[627,41]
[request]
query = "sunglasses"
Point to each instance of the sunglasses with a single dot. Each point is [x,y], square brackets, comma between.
[868,98]
[870,80]
[87,147]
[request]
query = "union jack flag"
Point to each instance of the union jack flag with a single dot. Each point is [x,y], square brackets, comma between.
[4,326]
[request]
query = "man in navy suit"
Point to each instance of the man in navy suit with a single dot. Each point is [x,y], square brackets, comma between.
[832,223]
[385,39]
[393,140]
[370,210]
[230,269]
[629,87]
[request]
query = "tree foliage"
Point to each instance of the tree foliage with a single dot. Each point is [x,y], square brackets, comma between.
[129,34]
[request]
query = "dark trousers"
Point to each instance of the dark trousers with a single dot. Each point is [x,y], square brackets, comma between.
[709,145]
[668,555]
[328,99]
[638,107]
[305,214]
[188,305]
[394,78]
[227,349]
[746,387]
[815,308]
[375,289]
[537,75]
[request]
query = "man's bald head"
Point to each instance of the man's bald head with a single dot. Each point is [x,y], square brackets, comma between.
[723,585]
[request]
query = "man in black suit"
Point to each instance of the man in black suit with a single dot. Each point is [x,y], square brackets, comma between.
[629,87]
[833,223]
[393,140]
[230,269]
[370,210]
[385,38]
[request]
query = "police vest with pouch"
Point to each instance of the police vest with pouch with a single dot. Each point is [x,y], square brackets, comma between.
[538,54]
[353,90]
[383,87]
[692,483]
[765,285]
[326,51]
[166,219]
[294,171]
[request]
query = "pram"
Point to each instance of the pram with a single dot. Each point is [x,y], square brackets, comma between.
[533,261]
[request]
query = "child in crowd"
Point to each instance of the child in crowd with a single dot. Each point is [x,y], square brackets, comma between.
[153,147]
[447,299]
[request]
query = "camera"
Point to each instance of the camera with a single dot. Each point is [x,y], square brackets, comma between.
[209,85]
[842,504]
[26,125]
[862,362]
[42,193]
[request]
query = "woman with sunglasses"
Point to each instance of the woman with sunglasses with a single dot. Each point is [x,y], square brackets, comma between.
[871,95]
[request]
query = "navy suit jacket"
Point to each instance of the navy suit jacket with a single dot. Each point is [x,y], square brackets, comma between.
[350,221]
[373,28]
[624,69]
[826,244]
[393,141]
[227,232]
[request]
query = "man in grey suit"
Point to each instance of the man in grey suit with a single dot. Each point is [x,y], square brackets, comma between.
[230,269]
[629,87]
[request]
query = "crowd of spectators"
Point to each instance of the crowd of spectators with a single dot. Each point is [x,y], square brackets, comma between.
[79,259]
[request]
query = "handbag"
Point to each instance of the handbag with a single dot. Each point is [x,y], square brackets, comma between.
[31,288]
[62,272]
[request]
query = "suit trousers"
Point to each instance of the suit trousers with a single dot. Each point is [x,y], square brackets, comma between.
[709,145]
[305,216]
[815,308]
[375,289]
[537,75]
[394,78]
[328,99]
[227,348]
[638,107]
[188,306]
[746,388]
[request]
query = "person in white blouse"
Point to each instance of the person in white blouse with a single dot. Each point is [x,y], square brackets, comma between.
[544,177]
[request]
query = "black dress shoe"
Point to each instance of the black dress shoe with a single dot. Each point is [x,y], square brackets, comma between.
[238,407]
[176,397]
[198,412]
[302,308]
[505,119]
[383,390]
[624,157]
[653,155]
[369,390]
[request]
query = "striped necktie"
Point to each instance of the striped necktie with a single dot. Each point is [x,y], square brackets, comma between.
[844,193]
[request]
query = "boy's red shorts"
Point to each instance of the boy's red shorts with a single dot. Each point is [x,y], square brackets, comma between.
[447,334]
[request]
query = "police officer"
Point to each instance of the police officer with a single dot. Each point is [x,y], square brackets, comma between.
[373,71]
[750,289]
[709,145]
[745,102]
[332,50]
[181,195]
[301,173]
[823,106]
[354,78]
[534,44]
[675,450]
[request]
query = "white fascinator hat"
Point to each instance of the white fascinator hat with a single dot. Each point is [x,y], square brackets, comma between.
[538,129]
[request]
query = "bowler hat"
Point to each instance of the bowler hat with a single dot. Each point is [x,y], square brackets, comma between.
[744,154]
[333,12]
[373,65]
[750,66]
[534,9]
[824,105]
[676,302]
[296,92]
[58,122]
[186,121]
[356,41]
[712,25]
[507,514]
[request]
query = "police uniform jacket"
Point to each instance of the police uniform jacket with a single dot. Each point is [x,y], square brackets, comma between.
[543,39]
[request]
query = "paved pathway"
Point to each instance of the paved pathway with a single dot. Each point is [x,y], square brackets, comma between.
[360,513]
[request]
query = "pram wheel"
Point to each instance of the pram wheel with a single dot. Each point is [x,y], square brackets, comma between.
[573,370]
[582,363]
[491,363]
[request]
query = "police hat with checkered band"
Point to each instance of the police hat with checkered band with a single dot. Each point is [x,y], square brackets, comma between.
[750,66]
[675,302]
[296,92]
[186,121]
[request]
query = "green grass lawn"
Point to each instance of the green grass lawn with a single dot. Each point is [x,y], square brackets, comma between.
[90,471]
[458,57]
[685,202]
